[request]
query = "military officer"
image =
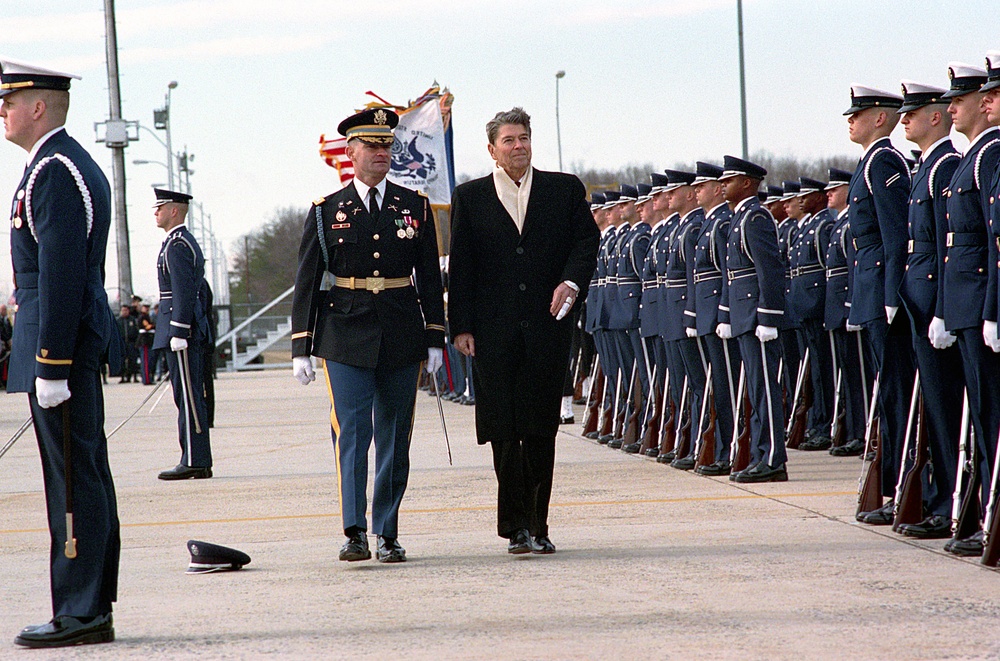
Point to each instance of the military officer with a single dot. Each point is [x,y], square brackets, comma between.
[854,376]
[968,302]
[709,271]
[597,294]
[610,311]
[752,310]
[790,337]
[807,294]
[368,301]
[182,327]
[877,202]
[60,218]
[928,125]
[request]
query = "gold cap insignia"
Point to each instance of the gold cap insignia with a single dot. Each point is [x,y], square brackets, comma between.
[381,117]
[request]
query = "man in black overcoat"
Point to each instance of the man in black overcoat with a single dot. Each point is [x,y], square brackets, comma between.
[523,249]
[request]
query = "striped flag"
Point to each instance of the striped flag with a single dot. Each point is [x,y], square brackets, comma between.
[334,152]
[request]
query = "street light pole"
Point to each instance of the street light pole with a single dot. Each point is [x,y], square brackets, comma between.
[743,81]
[559,74]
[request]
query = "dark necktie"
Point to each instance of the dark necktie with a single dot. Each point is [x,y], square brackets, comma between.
[373,204]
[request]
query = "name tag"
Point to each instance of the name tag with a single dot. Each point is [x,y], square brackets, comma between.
[340,226]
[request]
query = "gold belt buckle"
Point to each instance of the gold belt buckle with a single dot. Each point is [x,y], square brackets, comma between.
[375,285]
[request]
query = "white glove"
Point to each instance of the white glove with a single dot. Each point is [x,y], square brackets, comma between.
[302,370]
[940,337]
[767,333]
[434,357]
[851,328]
[890,313]
[990,336]
[725,331]
[178,344]
[51,392]
[691,332]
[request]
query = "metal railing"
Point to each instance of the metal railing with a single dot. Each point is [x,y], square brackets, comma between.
[234,334]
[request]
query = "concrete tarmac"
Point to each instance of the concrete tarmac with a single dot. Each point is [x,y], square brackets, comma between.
[652,562]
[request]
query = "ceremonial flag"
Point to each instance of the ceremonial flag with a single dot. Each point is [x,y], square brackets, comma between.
[334,152]
[419,154]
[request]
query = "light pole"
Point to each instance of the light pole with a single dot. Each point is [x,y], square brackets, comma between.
[559,74]
[743,81]
[161,120]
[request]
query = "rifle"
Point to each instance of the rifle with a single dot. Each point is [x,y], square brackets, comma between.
[908,506]
[663,412]
[991,524]
[654,410]
[966,512]
[839,431]
[801,402]
[740,451]
[683,447]
[870,482]
[594,397]
[706,436]
[610,420]
[668,445]
[631,435]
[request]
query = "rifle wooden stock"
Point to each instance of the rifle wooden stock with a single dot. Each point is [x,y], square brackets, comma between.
[802,404]
[970,514]
[742,452]
[683,441]
[634,408]
[840,429]
[870,493]
[909,503]
[707,454]
[669,437]
[607,419]
[591,420]
[649,435]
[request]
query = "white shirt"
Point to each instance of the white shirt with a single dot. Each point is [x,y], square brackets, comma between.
[41,141]
[930,149]
[363,189]
[991,131]
[514,198]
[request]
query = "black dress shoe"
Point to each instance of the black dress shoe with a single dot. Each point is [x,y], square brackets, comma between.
[604,440]
[683,463]
[870,455]
[542,545]
[356,548]
[817,442]
[970,547]
[592,435]
[580,402]
[182,472]
[469,401]
[389,550]
[616,443]
[632,448]
[520,543]
[714,470]
[664,458]
[883,516]
[66,630]
[563,420]
[653,452]
[763,473]
[933,527]
[851,448]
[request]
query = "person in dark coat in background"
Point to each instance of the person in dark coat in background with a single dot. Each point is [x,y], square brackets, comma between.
[523,249]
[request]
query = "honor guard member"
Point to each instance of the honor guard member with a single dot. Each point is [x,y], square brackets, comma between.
[877,202]
[60,217]
[806,300]
[709,271]
[968,302]
[752,310]
[356,307]
[609,303]
[597,294]
[791,335]
[928,124]
[679,310]
[634,240]
[182,330]
[854,375]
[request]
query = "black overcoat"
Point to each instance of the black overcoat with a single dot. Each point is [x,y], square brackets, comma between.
[500,289]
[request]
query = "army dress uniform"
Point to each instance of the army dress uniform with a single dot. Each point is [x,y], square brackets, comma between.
[355,306]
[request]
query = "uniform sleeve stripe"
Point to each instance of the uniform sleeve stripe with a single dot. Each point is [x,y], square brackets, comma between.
[766,311]
[51,361]
[179,324]
[298,336]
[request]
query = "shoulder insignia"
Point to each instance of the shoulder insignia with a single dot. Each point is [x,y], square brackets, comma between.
[319,201]
[421,193]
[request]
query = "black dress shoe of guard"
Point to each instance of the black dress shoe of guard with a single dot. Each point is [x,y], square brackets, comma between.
[714,470]
[580,402]
[563,420]
[970,547]
[66,630]
[851,448]
[933,527]
[632,448]
[664,458]
[182,472]
[592,435]
[469,401]
[616,443]
[653,452]
[520,543]
[668,457]
[604,440]
[763,473]
[389,550]
[683,463]
[542,545]
[870,455]
[883,516]
[816,443]
[356,548]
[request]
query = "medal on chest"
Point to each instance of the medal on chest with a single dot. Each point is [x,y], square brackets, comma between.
[17,217]
[407,225]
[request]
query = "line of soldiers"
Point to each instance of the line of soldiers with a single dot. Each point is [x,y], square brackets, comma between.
[857,315]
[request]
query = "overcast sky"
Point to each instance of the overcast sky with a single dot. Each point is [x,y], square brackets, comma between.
[651,81]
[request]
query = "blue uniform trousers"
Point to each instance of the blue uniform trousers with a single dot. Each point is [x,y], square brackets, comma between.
[767,433]
[86,585]
[855,382]
[821,375]
[695,360]
[982,381]
[791,356]
[890,351]
[626,359]
[196,448]
[941,385]
[722,379]
[365,403]
[609,365]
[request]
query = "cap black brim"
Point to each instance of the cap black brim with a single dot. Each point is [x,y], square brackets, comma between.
[992,85]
